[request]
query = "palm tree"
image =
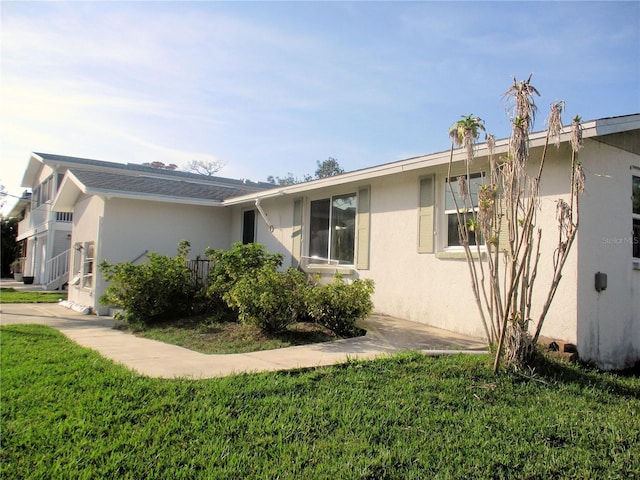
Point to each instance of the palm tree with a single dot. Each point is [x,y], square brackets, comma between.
[465,132]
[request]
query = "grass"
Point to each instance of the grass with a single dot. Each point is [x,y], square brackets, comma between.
[69,413]
[11,295]
[202,336]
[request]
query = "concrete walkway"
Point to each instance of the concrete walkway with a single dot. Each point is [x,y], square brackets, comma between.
[385,335]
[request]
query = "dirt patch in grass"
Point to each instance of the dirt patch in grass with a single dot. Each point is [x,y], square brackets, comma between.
[201,335]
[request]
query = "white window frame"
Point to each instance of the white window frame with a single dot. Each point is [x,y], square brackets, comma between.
[88,264]
[83,265]
[635,217]
[328,259]
[451,211]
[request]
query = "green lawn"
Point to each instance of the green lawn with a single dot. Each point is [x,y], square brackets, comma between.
[10,295]
[68,413]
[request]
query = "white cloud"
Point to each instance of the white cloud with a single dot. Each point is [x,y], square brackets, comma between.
[273,87]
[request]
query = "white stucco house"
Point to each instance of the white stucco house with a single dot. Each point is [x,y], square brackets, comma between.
[389,223]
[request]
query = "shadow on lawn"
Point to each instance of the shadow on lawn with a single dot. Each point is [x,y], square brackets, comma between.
[587,376]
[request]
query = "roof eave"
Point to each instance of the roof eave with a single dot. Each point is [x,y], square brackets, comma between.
[537,139]
[67,197]
[109,194]
[18,207]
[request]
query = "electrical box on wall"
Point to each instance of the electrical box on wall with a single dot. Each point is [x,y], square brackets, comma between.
[601,281]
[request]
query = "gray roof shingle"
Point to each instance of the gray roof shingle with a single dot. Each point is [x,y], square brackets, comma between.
[160,187]
[136,169]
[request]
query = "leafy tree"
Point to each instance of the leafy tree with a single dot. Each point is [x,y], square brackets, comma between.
[9,246]
[161,165]
[205,167]
[503,276]
[326,168]
[288,180]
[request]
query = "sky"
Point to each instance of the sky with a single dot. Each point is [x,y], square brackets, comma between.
[270,88]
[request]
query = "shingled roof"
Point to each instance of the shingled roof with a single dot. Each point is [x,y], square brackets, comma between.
[137,169]
[114,184]
[109,179]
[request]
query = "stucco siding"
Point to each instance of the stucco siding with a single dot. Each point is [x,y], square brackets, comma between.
[132,227]
[87,216]
[430,289]
[129,228]
[61,242]
[609,326]
[424,287]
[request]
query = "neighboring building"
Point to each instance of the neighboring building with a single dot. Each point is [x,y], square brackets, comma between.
[44,235]
[149,209]
[390,223]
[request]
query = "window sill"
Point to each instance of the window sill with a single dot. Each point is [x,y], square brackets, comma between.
[329,269]
[458,255]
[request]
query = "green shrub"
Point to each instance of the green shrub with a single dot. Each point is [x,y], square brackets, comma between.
[230,266]
[161,288]
[269,299]
[339,305]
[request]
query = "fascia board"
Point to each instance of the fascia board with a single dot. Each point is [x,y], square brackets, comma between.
[18,207]
[68,193]
[109,194]
[31,172]
[536,139]
[608,126]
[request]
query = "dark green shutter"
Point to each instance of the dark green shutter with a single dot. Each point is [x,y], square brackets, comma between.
[364,231]
[296,233]
[425,215]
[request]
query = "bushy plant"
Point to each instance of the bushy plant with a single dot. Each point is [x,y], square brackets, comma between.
[339,305]
[269,299]
[230,266]
[162,287]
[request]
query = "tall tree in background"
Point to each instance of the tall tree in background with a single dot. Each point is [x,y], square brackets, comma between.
[9,248]
[288,180]
[161,165]
[503,270]
[205,167]
[326,168]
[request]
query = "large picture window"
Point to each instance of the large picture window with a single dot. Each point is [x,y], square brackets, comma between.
[636,216]
[451,217]
[333,228]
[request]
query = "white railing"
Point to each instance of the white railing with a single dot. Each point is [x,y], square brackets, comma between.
[57,269]
[64,217]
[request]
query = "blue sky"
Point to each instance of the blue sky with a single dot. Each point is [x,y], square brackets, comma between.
[272,87]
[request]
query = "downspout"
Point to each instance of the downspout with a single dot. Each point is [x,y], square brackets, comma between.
[264,216]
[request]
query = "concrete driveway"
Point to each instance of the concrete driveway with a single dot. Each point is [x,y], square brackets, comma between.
[385,335]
